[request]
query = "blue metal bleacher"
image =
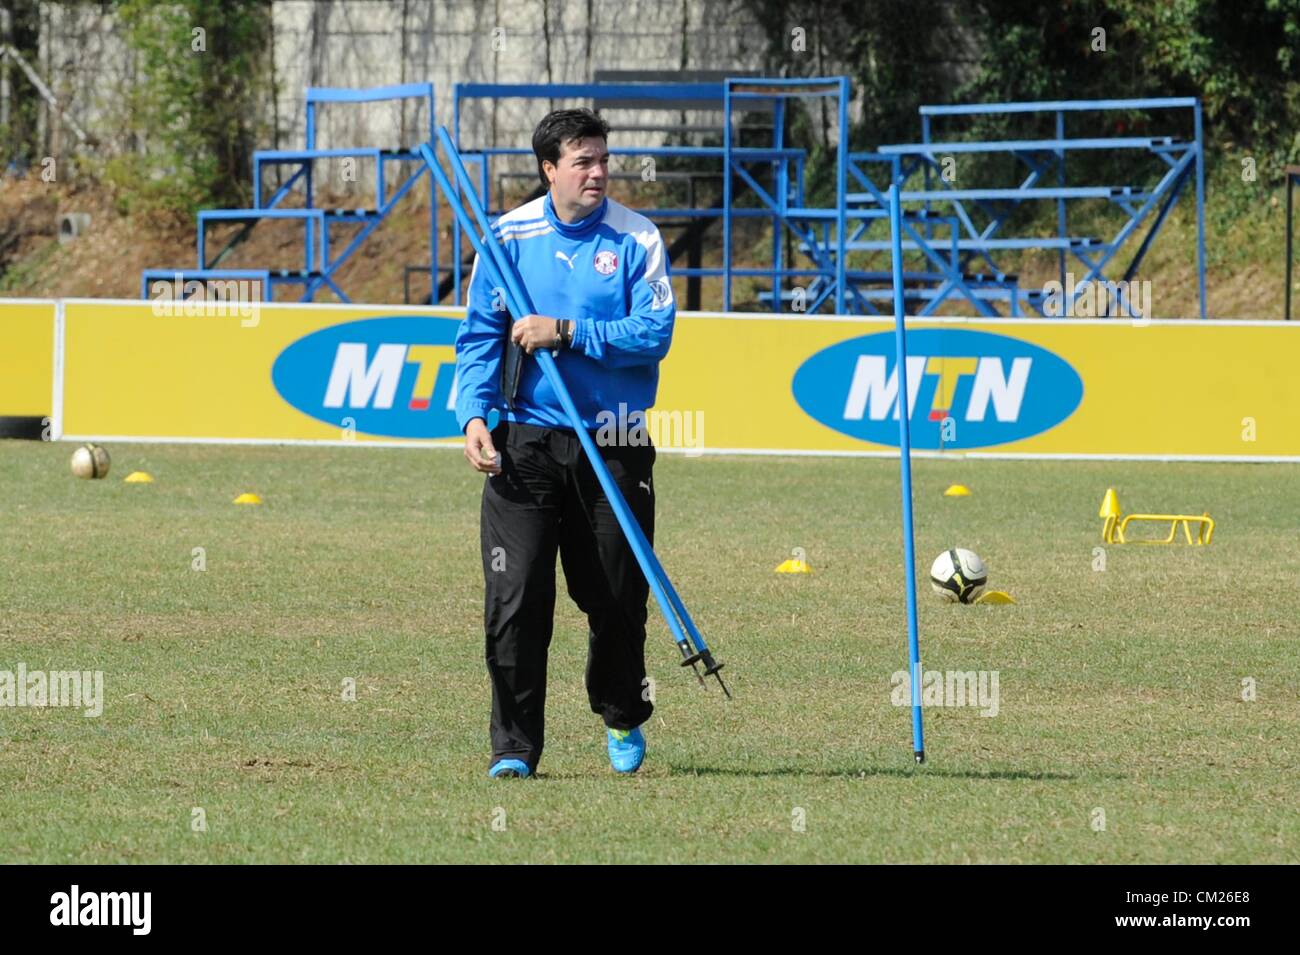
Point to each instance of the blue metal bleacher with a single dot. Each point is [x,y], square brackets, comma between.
[984,213]
[320,266]
[828,245]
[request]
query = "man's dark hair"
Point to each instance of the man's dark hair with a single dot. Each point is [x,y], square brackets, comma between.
[560,127]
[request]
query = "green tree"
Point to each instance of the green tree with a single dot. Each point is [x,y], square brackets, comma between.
[1240,59]
[196,108]
[18,137]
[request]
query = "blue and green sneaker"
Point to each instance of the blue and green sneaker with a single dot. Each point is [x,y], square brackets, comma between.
[626,749]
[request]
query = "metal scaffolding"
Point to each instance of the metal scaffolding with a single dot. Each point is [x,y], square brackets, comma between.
[823,242]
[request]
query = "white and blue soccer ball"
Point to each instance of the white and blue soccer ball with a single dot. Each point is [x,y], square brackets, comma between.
[958,575]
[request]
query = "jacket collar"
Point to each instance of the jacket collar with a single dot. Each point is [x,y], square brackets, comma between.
[575,230]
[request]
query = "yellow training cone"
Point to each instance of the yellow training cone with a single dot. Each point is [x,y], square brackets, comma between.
[1110,504]
[248,498]
[138,477]
[957,490]
[793,566]
[995,597]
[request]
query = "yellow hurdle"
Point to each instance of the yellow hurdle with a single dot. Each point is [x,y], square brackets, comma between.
[1115,524]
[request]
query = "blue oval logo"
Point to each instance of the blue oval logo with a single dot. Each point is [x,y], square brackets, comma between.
[392,377]
[968,389]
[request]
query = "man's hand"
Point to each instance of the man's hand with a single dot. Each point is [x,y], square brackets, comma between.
[478,448]
[533,332]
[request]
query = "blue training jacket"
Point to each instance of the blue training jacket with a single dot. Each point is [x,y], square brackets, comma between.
[608,272]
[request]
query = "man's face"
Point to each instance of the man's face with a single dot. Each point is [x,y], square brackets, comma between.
[579,180]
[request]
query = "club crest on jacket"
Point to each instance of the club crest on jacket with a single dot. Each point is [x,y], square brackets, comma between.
[606,262]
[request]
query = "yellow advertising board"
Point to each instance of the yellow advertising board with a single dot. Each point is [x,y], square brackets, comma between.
[1012,387]
[246,373]
[1069,387]
[26,360]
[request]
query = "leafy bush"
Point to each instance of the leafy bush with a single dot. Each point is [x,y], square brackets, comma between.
[203,68]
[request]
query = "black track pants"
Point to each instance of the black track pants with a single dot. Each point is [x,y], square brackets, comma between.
[547,498]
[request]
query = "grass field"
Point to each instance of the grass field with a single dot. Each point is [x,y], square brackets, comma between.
[1120,690]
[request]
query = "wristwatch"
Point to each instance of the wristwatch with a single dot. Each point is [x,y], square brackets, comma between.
[563,334]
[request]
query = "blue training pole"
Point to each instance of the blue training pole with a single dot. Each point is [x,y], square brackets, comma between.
[502,274]
[905,466]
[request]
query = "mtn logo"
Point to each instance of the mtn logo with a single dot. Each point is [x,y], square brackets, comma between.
[966,389]
[394,377]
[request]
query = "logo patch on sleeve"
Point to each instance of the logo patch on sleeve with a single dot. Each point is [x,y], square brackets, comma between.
[663,294]
[606,262]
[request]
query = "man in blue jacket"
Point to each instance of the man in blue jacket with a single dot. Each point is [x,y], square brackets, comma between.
[598,276]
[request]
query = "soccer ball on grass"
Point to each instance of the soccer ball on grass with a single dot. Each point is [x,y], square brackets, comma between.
[90,461]
[958,575]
